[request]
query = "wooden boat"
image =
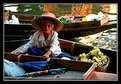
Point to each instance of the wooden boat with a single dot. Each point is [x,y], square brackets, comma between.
[69,30]
[27,18]
[71,73]
[12,44]
[24,18]
[72,30]
[75,49]
[76,30]
[76,69]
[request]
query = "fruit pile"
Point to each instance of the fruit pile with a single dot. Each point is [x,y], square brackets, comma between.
[95,55]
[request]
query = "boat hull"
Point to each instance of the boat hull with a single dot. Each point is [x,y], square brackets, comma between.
[75,70]
[71,31]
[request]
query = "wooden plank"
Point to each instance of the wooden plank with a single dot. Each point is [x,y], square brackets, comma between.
[104,76]
[21,58]
[72,64]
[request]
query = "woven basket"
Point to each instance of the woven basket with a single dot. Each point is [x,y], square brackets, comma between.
[103,68]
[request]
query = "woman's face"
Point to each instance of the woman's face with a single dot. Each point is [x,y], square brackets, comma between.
[47,27]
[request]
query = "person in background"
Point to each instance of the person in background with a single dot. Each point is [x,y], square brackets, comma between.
[6,16]
[45,41]
[7,20]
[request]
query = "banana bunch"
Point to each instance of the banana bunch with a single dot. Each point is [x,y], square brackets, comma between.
[95,55]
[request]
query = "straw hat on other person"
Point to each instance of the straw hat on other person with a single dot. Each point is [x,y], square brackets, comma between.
[36,23]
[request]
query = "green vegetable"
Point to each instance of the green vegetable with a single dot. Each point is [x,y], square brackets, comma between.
[65,20]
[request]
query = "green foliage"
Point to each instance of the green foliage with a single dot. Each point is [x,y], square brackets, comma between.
[34,9]
[62,9]
[96,8]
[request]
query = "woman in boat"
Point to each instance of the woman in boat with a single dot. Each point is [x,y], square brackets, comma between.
[45,41]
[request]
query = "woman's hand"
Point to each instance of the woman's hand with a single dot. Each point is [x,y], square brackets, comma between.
[47,55]
[18,53]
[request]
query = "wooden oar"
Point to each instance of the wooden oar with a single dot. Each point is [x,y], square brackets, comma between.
[21,58]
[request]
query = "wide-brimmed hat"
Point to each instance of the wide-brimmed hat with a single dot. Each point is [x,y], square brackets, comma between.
[36,23]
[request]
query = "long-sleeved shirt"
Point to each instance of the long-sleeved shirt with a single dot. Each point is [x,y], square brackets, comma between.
[14,20]
[39,41]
